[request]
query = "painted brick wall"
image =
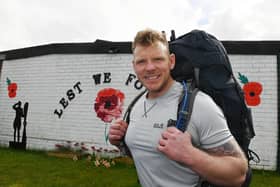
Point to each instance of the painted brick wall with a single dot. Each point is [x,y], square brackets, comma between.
[44,82]
[262,69]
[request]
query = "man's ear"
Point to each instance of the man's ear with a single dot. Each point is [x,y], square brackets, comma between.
[172,61]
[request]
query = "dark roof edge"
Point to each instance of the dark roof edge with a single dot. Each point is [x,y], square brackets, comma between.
[268,47]
[97,47]
[103,47]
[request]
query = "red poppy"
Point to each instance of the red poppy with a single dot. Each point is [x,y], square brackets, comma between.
[58,145]
[84,148]
[108,104]
[12,88]
[252,92]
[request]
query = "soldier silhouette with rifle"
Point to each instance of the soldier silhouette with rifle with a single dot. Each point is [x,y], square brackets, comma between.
[20,113]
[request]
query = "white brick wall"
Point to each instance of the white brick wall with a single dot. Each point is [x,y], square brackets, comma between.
[262,69]
[43,81]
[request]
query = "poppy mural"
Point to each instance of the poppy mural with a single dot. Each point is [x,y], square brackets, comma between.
[20,113]
[108,106]
[12,88]
[252,91]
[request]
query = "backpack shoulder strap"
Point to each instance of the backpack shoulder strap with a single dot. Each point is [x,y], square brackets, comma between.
[126,116]
[123,147]
[193,94]
[185,107]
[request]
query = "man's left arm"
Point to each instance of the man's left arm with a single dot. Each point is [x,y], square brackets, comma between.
[225,165]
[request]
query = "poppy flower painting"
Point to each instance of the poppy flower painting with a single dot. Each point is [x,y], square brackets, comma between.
[252,91]
[108,106]
[12,88]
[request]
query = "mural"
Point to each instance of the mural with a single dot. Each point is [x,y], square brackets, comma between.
[70,96]
[108,106]
[20,113]
[12,88]
[252,90]
[18,121]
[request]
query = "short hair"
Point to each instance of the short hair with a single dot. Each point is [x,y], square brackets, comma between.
[149,37]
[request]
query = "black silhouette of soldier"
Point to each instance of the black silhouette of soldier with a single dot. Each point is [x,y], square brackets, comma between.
[17,120]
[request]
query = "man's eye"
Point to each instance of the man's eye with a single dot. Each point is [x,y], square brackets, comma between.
[158,59]
[140,62]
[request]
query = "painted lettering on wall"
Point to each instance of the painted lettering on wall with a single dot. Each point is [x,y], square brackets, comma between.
[106,78]
[137,84]
[70,95]
[99,78]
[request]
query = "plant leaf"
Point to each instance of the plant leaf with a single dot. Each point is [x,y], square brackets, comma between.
[8,81]
[243,78]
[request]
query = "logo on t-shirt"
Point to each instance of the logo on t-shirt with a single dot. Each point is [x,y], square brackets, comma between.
[158,125]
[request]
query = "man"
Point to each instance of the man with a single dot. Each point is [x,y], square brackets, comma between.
[165,156]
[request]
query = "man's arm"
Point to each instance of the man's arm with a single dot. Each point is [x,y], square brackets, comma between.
[225,165]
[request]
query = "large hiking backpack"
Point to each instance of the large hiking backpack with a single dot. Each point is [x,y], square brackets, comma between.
[202,58]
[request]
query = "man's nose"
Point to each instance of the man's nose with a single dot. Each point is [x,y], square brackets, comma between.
[150,65]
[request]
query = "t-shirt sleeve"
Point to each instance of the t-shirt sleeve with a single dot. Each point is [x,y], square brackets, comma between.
[210,123]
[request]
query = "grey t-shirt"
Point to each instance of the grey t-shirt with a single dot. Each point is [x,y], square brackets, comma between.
[148,120]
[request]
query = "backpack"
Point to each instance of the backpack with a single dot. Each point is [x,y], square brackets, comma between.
[202,58]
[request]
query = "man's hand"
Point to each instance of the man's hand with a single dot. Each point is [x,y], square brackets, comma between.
[176,145]
[117,132]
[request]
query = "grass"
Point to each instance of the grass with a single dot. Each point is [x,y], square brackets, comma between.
[37,169]
[263,178]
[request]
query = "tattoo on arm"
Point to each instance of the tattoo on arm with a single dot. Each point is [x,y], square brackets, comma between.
[231,148]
